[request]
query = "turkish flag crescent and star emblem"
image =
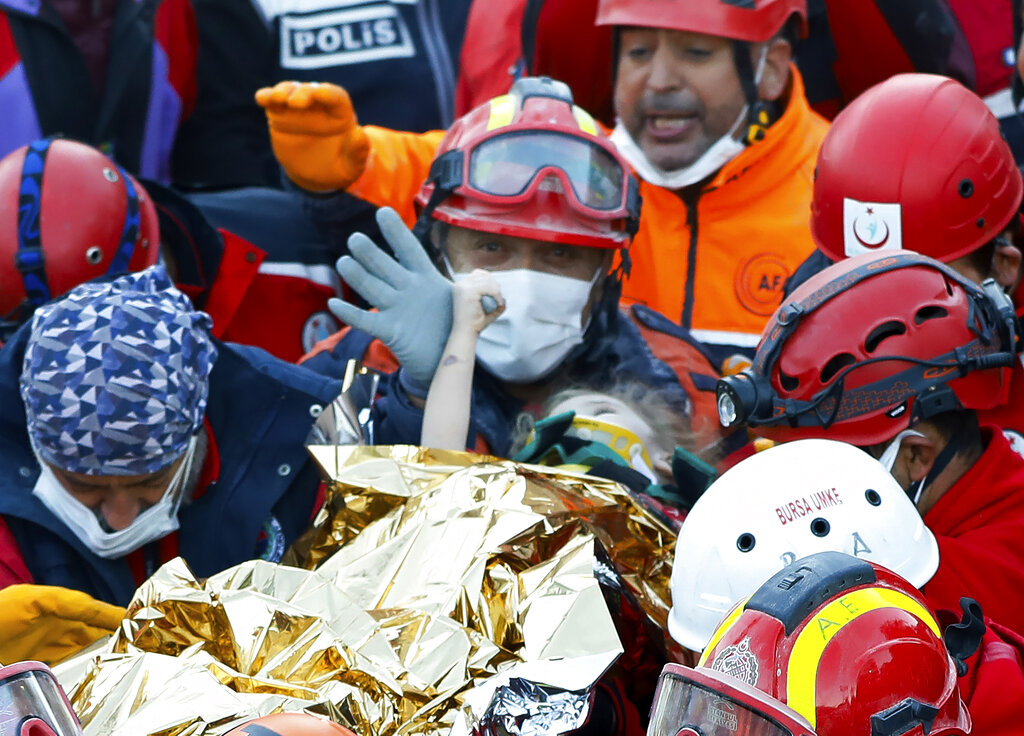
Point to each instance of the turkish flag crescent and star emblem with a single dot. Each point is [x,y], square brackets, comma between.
[869,227]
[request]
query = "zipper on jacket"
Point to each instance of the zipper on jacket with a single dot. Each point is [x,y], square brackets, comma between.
[436,48]
[690,197]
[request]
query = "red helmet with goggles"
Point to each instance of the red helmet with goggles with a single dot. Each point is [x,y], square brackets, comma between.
[850,646]
[702,702]
[531,164]
[33,704]
[872,345]
[68,214]
[949,183]
[751,20]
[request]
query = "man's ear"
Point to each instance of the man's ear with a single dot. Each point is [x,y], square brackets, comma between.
[921,454]
[775,77]
[1006,265]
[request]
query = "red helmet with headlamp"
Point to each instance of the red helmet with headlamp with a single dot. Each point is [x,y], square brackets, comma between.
[871,345]
[531,164]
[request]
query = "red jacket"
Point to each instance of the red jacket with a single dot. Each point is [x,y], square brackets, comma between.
[979,524]
[278,306]
[273,298]
[993,687]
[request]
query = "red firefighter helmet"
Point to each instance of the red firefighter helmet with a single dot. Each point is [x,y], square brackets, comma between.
[752,21]
[916,162]
[531,164]
[871,345]
[290,724]
[67,215]
[847,644]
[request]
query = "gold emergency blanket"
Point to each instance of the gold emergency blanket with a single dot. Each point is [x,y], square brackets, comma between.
[429,579]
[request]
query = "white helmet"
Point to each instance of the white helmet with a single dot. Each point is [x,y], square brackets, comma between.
[782,504]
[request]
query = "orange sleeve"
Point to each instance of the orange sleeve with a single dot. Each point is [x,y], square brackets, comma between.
[396,169]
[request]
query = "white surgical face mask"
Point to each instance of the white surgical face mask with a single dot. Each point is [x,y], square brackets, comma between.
[541,324]
[154,523]
[888,456]
[721,152]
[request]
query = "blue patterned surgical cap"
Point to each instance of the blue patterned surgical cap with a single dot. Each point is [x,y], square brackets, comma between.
[116,375]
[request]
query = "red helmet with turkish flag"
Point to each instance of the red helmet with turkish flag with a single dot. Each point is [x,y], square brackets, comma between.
[746,20]
[916,162]
[531,164]
[68,214]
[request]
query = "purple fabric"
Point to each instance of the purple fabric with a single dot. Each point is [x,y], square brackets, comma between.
[24,6]
[162,120]
[19,125]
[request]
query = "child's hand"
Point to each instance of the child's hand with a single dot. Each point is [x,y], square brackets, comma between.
[468,312]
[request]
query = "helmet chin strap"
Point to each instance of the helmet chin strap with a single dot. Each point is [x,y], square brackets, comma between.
[953,446]
[756,112]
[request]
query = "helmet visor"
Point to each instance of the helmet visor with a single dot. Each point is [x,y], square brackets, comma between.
[691,702]
[510,166]
[29,690]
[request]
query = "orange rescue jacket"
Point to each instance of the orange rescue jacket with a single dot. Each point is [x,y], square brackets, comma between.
[715,260]
[712,260]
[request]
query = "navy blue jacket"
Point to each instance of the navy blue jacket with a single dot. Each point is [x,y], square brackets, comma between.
[260,412]
[398,60]
[613,351]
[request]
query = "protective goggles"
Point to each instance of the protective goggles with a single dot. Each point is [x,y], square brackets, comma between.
[33,704]
[510,168]
[696,702]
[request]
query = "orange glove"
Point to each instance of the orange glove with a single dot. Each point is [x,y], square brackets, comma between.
[315,134]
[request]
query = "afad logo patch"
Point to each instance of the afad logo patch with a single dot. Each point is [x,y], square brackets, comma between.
[869,227]
[270,544]
[318,326]
[341,37]
[759,283]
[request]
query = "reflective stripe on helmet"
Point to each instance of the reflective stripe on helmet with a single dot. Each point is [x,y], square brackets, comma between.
[584,119]
[503,110]
[722,630]
[802,676]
